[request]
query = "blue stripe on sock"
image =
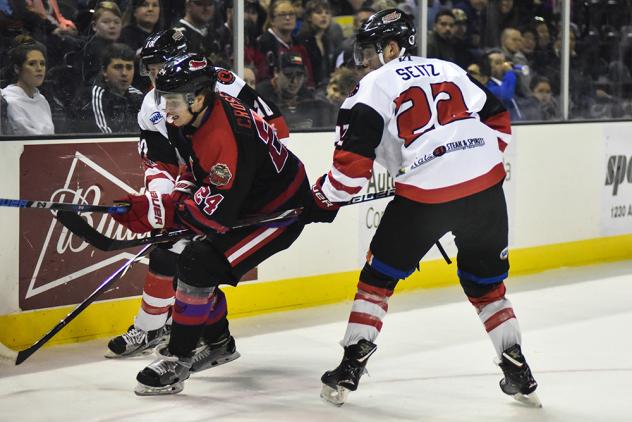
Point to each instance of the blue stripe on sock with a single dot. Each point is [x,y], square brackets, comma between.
[386,269]
[482,280]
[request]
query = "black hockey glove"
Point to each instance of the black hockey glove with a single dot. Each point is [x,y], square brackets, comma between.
[319,209]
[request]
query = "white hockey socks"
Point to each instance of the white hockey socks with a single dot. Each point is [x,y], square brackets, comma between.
[367,312]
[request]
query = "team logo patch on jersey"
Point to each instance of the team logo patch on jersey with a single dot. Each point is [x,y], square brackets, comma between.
[504,254]
[391,17]
[155,117]
[197,64]
[225,77]
[219,175]
[355,90]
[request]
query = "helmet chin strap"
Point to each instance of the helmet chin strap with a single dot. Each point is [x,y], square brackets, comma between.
[381,54]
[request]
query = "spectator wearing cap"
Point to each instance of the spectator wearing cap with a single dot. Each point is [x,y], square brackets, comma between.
[278,37]
[106,24]
[112,103]
[28,112]
[287,90]
[195,26]
[440,44]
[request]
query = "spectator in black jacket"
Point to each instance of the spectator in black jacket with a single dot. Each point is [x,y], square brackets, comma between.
[195,25]
[314,35]
[106,24]
[112,103]
[440,43]
[141,19]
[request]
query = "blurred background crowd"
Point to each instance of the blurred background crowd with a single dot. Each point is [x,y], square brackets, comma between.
[71,66]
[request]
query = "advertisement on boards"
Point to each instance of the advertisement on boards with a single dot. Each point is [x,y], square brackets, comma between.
[616,209]
[56,268]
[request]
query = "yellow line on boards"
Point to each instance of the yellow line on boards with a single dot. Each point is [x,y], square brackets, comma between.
[19,330]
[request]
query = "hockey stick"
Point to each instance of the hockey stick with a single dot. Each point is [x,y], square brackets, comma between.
[117,208]
[84,231]
[24,354]
[80,227]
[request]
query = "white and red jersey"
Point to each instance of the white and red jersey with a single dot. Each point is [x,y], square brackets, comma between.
[438,132]
[161,160]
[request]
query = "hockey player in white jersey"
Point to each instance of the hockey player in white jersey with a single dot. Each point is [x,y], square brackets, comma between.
[441,136]
[161,163]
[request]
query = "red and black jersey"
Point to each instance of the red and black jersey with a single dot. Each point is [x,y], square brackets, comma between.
[238,163]
[160,159]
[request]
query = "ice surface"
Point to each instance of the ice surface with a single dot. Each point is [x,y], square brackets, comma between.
[433,363]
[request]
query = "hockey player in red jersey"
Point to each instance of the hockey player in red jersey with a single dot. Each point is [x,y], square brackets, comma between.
[162,164]
[235,167]
[441,135]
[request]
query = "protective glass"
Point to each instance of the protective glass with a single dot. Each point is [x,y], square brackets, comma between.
[145,67]
[363,52]
[175,104]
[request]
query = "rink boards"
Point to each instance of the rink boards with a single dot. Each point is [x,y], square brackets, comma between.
[569,193]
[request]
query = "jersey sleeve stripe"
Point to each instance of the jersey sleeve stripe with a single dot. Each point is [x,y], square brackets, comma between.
[280,125]
[353,165]
[451,193]
[340,187]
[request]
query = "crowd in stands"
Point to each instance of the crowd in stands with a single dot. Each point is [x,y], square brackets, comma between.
[72,65]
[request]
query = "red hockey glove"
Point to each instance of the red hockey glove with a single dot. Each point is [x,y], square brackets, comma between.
[184,188]
[196,212]
[319,209]
[147,212]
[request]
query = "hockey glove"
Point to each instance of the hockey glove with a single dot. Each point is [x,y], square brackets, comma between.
[196,212]
[147,212]
[319,209]
[184,188]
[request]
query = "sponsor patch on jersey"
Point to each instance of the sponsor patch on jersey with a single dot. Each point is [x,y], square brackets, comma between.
[355,90]
[219,175]
[155,117]
[225,77]
[439,151]
[391,17]
[504,254]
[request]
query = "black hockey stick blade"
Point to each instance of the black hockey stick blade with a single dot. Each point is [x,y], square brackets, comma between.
[117,208]
[82,229]
[26,353]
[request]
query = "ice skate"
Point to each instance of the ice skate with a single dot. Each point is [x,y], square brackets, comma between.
[518,381]
[218,353]
[345,378]
[136,342]
[165,375]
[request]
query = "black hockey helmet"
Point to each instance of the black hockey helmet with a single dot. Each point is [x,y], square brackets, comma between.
[384,26]
[187,74]
[160,47]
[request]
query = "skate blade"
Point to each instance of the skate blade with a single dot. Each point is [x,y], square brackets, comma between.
[111,355]
[146,390]
[531,400]
[336,396]
[216,362]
